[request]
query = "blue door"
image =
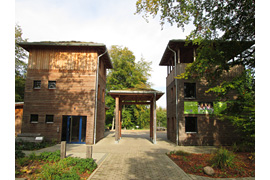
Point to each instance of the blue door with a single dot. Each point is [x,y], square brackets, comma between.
[74,129]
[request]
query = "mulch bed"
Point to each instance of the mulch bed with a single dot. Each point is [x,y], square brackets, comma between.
[194,164]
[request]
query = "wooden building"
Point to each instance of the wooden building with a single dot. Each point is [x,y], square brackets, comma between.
[18,117]
[65,90]
[188,106]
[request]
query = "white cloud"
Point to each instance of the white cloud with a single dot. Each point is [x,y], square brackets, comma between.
[111,23]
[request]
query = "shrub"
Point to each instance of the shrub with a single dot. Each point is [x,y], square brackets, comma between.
[57,172]
[180,153]
[19,154]
[50,156]
[223,158]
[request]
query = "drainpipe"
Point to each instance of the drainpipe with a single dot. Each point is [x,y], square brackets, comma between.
[176,97]
[95,120]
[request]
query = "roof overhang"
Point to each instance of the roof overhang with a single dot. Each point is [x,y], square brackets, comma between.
[136,95]
[175,44]
[99,47]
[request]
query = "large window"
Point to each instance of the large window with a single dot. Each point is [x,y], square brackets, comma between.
[34,118]
[49,118]
[37,84]
[190,90]
[191,124]
[52,85]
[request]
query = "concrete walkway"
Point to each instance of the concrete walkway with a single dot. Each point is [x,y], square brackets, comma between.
[135,157]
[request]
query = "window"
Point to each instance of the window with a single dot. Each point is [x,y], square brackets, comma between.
[49,118]
[37,84]
[33,118]
[190,90]
[52,85]
[191,124]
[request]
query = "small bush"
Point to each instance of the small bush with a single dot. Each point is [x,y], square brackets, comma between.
[180,153]
[50,156]
[223,158]
[19,154]
[23,145]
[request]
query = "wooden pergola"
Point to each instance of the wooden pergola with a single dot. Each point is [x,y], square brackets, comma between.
[135,96]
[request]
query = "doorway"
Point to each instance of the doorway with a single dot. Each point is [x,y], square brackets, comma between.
[74,129]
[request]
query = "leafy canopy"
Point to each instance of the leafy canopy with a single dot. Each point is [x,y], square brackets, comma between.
[20,65]
[127,73]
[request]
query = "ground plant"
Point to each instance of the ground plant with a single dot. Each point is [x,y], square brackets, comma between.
[225,163]
[24,145]
[48,165]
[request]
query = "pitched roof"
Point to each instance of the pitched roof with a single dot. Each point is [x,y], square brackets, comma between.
[101,48]
[174,44]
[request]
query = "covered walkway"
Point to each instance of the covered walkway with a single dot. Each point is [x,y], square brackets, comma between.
[135,96]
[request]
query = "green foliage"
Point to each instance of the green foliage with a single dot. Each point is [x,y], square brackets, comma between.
[234,20]
[180,153]
[223,158]
[19,154]
[50,156]
[67,168]
[127,74]
[20,65]
[57,172]
[161,117]
[223,30]
[24,145]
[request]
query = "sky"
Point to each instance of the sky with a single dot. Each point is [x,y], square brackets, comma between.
[111,22]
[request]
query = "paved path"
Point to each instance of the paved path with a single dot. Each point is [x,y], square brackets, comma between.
[135,157]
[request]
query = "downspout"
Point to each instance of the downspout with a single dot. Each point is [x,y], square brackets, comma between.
[176,97]
[95,119]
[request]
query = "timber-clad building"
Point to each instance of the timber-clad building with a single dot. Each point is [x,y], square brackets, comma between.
[65,90]
[191,112]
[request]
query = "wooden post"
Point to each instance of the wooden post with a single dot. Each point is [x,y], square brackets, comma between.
[89,150]
[120,120]
[154,120]
[116,119]
[151,121]
[63,149]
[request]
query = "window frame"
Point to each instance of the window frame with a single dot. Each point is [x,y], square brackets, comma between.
[49,122]
[49,84]
[196,125]
[31,117]
[195,91]
[34,83]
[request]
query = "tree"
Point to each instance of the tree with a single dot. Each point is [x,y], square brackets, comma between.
[161,117]
[20,65]
[126,74]
[222,29]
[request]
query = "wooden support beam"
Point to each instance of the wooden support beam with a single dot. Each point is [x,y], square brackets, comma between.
[131,103]
[154,121]
[151,121]
[116,119]
[120,120]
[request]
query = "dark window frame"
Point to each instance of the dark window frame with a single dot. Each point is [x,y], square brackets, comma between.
[47,116]
[35,82]
[188,128]
[33,118]
[194,91]
[49,85]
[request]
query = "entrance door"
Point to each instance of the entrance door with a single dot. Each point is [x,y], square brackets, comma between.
[74,129]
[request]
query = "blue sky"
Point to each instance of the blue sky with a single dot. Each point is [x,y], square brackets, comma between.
[111,22]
